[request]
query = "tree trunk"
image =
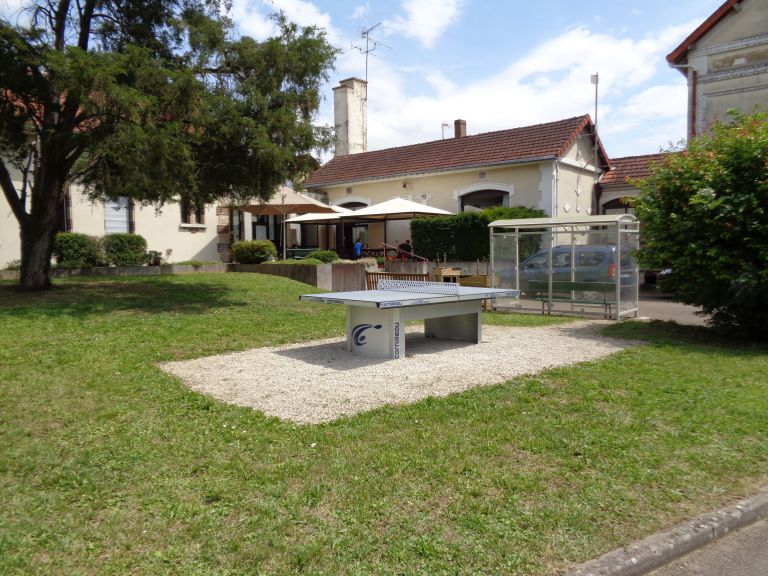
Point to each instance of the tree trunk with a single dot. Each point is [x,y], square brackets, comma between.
[36,252]
[39,230]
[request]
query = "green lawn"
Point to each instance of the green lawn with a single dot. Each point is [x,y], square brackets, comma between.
[110,466]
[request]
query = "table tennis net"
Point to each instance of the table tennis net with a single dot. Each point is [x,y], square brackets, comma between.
[448,288]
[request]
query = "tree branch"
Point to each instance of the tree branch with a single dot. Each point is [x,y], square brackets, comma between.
[86,18]
[11,195]
[60,25]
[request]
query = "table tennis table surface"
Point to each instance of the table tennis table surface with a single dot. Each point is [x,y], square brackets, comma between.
[397,294]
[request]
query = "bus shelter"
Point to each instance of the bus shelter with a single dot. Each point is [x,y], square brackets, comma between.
[582,265]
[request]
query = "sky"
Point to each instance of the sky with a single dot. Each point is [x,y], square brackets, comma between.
[501,64]
[505,63]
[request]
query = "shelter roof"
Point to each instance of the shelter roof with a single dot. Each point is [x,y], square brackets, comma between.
[516,145]
[597,220]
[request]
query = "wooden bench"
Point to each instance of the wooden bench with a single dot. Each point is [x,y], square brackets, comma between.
[372,278]
[478,281]
[566,291]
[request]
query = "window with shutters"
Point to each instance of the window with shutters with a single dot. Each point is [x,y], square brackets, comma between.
[192,216]
[118,215]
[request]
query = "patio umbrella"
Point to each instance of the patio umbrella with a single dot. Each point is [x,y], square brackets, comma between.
[320,218]
[395,209]
[287,201]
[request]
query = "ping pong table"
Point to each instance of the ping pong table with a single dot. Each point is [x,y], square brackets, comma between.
[376,318]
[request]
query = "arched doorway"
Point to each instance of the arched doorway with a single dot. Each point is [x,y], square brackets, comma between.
[483,199]
[483,195]
[618,206]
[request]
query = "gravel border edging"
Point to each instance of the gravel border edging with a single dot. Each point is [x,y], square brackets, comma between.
[659,549]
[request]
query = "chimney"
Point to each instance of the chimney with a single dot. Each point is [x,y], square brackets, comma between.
[350,111]
[460,128]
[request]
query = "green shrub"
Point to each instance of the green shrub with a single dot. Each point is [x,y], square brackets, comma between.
[464,236]
[75,250]
[303,262]
[703,211]
[154,258]
[125,249]
[326,256]
[13,265]
[253,251]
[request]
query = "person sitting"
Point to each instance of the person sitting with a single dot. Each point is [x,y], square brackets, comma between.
[405,249]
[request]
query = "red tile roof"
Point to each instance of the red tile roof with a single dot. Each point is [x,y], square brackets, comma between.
[529,143]
[630,168]
[676,56]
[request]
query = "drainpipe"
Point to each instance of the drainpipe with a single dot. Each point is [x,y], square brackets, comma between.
[692,75]
[556,188]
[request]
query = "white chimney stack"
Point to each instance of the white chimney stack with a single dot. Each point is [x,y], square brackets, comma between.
[350,113]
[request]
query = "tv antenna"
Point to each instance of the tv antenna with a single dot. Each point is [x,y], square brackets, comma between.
[370,46]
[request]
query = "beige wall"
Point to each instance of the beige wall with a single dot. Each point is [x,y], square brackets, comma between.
[731,66]
[163,229]
[560,189]
[10,244]
[443,190]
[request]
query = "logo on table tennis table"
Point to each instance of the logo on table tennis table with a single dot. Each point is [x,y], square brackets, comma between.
[357,333]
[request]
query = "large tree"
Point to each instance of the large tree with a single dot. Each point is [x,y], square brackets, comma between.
[704,212]
[155,100]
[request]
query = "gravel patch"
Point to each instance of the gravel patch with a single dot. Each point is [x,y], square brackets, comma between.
[320,381]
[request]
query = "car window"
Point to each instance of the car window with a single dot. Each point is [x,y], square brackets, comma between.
[590,258]
[561,259]
[537,261]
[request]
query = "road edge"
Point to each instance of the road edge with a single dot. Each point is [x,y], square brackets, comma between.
[655,551]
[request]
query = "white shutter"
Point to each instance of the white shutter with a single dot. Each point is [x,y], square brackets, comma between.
[116,216]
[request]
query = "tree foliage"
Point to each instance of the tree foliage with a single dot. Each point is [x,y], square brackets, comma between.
[155,100]
[704,212]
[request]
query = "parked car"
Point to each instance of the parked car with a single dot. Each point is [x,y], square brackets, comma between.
[592,263]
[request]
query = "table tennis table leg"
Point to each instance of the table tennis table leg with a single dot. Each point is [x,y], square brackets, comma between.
[375,332]
[464,327]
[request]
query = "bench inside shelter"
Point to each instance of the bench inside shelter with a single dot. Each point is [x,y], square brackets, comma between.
[602,294]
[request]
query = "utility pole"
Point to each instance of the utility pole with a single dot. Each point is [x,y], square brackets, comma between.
[595,79]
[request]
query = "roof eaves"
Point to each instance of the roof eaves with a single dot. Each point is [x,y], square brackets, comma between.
[675,56]
[461,168]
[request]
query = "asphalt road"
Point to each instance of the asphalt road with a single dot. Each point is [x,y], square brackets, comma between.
[660,307]
[742,553]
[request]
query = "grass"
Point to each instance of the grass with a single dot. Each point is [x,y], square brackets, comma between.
[110,466]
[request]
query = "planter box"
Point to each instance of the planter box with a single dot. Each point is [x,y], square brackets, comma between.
[139,270]
[339,277]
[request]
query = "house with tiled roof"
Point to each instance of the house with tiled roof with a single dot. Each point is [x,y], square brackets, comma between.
[725,61]
[552,166]
[617,184]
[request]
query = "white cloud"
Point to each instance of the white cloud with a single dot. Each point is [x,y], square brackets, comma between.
[442,85]
[425,20]
[252,18]
[360,11]
[11,9]
[550,82]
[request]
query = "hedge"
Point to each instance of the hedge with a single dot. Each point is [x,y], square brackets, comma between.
[125,249]
[253,251]
[326,256]
[464,236]
[75,250]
